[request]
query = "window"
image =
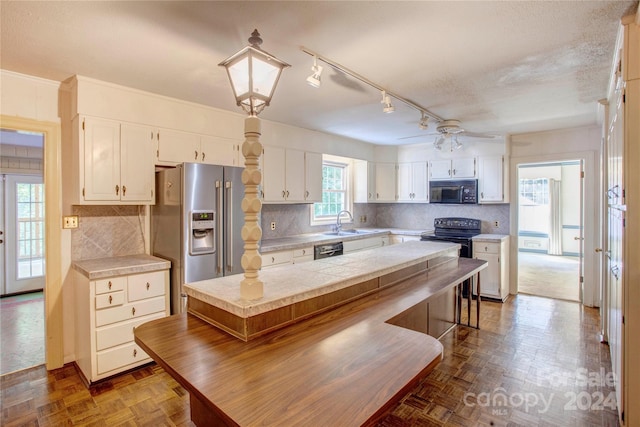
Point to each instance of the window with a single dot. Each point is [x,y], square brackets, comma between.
[534,191]
[335,193]
[30,226]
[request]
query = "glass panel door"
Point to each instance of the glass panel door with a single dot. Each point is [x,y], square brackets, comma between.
[25,233]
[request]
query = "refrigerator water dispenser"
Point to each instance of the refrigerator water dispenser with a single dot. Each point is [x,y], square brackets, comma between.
[202,239]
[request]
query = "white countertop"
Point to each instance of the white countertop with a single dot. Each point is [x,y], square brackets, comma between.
[287,284]
[100,268]
[490,238]
[303,240]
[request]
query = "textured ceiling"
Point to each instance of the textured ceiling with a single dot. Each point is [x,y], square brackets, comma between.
[499,67]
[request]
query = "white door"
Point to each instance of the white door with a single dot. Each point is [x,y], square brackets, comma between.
[24,244]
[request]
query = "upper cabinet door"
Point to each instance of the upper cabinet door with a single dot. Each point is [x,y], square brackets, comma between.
[385,182]
[101,160]
[136,164]
[419,181]
[220,151]
[273,174]
[463,168]
[490,179]
[313,177]
[440,169]
[176,147]
[294,176]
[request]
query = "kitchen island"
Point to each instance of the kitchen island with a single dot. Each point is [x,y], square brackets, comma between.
[345,366]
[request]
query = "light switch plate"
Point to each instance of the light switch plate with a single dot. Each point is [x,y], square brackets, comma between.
[70,221]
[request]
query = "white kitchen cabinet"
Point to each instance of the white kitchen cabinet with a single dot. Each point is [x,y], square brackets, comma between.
[295,256]
[175,147]
[364,182]
[115,162]
[107,311]
[284,177]
[494,280]
[401,238]
[385,182]
[452,168]
[492,182]
[412,182]
[313,177]
[350,246]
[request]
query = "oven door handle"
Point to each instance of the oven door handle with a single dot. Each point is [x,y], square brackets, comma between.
[461,193]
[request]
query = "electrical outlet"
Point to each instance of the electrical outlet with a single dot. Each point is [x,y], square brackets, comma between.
[496,224]
[70,221]
[273,225]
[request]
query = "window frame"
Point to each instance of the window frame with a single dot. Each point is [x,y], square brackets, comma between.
[347,165]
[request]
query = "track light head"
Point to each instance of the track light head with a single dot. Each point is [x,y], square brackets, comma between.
[424,122]
[314,79]
[455,143]
[386,100]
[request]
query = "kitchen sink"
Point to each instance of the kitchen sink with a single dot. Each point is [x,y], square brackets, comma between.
[350,232]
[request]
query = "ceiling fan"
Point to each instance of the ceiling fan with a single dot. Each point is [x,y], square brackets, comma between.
[451,129]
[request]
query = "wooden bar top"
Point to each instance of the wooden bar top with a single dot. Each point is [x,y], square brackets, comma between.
[344,367]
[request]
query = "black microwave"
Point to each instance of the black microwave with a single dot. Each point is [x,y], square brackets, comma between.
[454,192]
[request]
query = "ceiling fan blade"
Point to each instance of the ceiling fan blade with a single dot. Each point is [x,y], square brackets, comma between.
[419,136]
[477,135]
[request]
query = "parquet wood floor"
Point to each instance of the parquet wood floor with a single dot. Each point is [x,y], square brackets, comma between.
[535,362]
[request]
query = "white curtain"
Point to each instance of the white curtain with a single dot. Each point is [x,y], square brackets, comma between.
[555,218]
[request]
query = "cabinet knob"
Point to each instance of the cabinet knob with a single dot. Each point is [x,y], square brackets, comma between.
[135,352]
[110,299]
[598,250]
[133,311]
[203,154]
[117,189]
[110,284]
[148,285]
[196,155]
[124,190]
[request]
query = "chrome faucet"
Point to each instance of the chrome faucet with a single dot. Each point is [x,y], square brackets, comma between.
[339,223]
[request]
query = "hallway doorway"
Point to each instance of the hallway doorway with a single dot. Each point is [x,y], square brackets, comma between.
[22,250]
[550,221]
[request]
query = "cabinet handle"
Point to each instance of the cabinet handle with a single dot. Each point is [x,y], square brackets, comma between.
[304,251]
[110,299]
[135,352]
[110,285]
[454,171]
[273,260]
[203,156]
[449,172]
[306,194]
[148,285]
[287,194]
[482,194]
[124,189]
[133,311]
[196,155]
[117,189]
[283,193]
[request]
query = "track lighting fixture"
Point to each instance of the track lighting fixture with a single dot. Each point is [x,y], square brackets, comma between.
[314,79]
[424,122]
[386,100]
[455,143]
[437,144]
[386,97]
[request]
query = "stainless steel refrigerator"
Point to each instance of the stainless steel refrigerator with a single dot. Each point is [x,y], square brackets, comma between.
[196,224]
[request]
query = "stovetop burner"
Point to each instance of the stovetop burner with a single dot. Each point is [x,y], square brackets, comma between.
[454,227]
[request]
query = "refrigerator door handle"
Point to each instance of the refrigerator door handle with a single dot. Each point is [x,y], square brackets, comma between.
[219,224]
[229,226]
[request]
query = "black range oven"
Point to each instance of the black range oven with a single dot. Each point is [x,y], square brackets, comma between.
[456,230]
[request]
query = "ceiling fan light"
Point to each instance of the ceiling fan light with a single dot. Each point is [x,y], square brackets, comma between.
[437,144]
[456,144]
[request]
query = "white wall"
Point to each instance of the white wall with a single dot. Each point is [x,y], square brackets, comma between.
[564,145]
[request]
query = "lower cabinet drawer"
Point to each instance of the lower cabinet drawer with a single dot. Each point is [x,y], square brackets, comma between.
[120,357]
[111,299]
[130,311]
[146,285]
[120,333]
[277,258]
[486,248]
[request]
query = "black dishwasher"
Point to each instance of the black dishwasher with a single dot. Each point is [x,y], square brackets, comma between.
[327,250]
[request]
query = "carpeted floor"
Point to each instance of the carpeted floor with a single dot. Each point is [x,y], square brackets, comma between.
[21,332]
[549,276]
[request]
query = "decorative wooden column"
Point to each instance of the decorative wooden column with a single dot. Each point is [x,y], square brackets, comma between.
[251,287]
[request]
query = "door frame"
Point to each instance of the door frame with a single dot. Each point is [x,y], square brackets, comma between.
[591,296]
[54,342]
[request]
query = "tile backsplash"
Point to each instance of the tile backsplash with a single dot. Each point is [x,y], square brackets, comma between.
[294,219]
[107,231]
